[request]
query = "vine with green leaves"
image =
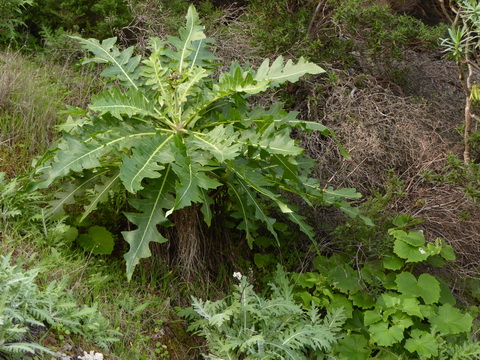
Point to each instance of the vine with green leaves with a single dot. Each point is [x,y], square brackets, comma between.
[392,313]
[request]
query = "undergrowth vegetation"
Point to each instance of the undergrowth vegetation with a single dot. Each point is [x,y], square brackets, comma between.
[212,158]
[26,308]
[32,93]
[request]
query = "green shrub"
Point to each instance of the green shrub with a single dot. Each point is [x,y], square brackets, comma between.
[246,325]
[11,18]
[169,135]
[385,31]
[332,30]
[97,18]
[279,25]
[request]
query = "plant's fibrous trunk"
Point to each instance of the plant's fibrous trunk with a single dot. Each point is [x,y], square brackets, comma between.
[199,252]
[189,242]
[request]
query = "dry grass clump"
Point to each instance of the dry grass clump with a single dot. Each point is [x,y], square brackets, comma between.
[449,214]
[32,92]
[234,38]
[149,19]
[381,131]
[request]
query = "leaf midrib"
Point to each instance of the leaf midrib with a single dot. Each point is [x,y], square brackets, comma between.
[150,159]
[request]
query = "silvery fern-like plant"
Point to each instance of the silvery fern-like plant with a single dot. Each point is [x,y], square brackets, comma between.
[170,134]
[24,306]
[249,326]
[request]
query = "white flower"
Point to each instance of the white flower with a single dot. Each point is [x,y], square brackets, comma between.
[237,275]
[423,252]
[91,356]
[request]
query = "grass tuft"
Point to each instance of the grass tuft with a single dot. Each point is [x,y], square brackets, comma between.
[32,92]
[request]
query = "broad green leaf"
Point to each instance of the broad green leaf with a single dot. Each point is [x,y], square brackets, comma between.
[192,180]
[98,241]
[229,84]
[331,195]
[423,343]
[240,81]
[242,211]
[393,262]
[263,260]
[311,125]
[372,317]
[184,45]
[155,74]
[302,224]
[289,167]
[67,197]
[446,296]
[189,87]
[71,124]
[202,56]
[345,279]
[401,320]
[79,155]
[278,73]
[146,161]
[206,210]
[277,143]
[220,142]
[123,65]
[321,263]
[70,234]
[436,261]
[414,238]
[373,273]
[362,299]
[411,306]
[402,220]
[259,183]
[389,302]
[156,198]
[130,103]
[76,157]
[410,253]
[254,180]
[384,334]
[101,192]
[353,347]
[427,287]
[253,201]
[448,253]
[449,320]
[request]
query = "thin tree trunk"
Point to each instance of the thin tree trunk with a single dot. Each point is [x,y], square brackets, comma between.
[468,130]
